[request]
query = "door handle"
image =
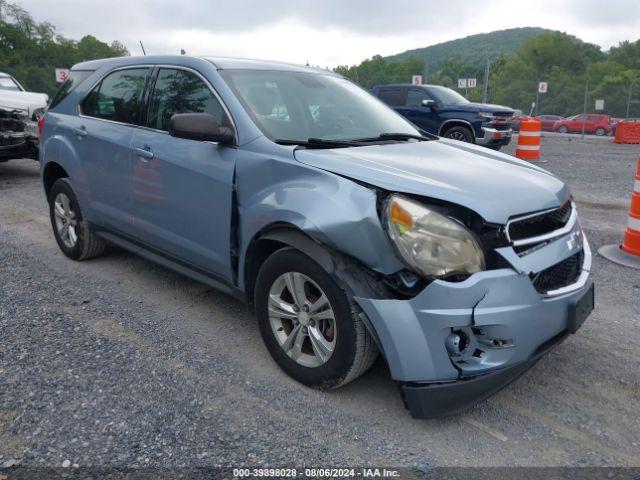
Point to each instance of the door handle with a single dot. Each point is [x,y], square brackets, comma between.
[81,131]
[144,153]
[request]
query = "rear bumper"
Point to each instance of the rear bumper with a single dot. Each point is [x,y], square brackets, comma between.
[493,137]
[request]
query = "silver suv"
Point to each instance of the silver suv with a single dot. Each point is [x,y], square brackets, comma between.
[350,231]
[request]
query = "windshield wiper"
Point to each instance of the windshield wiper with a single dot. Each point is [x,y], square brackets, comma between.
[314,142]
[320,143]
[403,136]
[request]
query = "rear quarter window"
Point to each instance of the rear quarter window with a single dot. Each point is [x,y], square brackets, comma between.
[75,78]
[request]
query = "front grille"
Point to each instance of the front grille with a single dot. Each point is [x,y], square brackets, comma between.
[540,224]
[559,275]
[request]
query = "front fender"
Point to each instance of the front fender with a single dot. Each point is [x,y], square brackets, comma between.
[333,210]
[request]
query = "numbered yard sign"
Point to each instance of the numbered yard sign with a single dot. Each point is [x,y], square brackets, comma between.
[471,82]
[542,87]
[416,80]
[62,74]
[462,83]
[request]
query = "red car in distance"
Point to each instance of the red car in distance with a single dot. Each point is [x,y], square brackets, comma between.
[597,123]
[548,121]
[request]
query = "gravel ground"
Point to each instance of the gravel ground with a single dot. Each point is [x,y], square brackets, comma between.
[119,362]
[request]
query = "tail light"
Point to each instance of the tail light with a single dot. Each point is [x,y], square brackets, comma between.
[40,126]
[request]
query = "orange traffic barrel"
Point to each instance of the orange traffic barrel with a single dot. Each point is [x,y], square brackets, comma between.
[629,252]
[529,139]
[627,132]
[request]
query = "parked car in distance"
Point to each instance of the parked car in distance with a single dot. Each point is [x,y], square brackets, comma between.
[14,97]
[547,122]
[347,229]
[596,123]
[19,113]
[518,115]
[444,112]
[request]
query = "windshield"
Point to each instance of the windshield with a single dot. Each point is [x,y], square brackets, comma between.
[296,107]
[8,83]
[446,96]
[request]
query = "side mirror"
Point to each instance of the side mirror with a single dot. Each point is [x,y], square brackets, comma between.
[429,103]
[200,126]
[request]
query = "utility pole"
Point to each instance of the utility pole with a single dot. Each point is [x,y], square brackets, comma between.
[629,100]
[425,77]
[584,108]
[485,86]
[466,85]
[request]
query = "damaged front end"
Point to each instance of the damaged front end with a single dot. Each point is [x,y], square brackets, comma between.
[18,136]
[461,339]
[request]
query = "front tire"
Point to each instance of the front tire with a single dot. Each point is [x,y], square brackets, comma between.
[563,129]
[461,134]
[72,232]
[313,329]
[600,131]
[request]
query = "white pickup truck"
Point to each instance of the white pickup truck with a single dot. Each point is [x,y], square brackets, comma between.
[19,113]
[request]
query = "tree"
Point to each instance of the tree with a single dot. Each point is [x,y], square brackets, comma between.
[563,61]
[377,70]
[30,51]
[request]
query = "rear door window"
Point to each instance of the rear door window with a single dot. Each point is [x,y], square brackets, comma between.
[117,97]
[181,91]
[392,96]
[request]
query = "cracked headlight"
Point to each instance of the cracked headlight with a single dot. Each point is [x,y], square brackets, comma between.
[432,244]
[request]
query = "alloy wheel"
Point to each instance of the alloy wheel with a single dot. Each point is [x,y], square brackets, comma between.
[456,136]
[65,220]
[302,319]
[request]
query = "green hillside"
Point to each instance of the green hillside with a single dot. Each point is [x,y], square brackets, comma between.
[474,48]
[568,65]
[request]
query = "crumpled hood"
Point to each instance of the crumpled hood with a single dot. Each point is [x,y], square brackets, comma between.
[494,185]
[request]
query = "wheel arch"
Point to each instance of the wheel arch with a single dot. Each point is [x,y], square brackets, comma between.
[60,159]
[52,172]
[456,122]
[349,273]
[274,237]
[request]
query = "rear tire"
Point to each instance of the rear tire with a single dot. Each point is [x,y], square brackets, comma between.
[461,134]
[600,131]
[72,232]
[287,320]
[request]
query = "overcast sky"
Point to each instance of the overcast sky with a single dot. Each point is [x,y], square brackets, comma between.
[325,32]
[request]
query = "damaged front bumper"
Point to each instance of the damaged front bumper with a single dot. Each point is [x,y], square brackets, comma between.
[507,325]
[18,136]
